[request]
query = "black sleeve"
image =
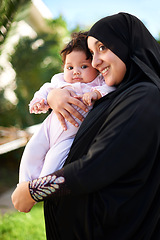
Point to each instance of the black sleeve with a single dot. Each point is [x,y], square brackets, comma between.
[122,145]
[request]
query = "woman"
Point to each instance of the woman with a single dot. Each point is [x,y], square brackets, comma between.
[109,187]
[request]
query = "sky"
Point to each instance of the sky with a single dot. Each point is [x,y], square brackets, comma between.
[86,13]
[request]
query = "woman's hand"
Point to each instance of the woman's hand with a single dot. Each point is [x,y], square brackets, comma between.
[22,199]
[60,101]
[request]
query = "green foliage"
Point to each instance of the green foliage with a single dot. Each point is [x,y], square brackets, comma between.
[35,61]
[26,226]
[33,68]
[57,22]
[8,10]
[7,110]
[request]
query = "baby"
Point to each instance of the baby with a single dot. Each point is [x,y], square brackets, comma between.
[48,148]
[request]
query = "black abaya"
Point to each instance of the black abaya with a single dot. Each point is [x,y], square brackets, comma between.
[111,188]
[115,185]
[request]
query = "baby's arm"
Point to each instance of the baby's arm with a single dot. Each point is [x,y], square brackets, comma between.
[39,102]
[90,97]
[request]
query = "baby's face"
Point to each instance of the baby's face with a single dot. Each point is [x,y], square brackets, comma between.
[78,69]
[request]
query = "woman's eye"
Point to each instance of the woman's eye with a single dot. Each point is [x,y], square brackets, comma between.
[102,47]
[84,66]
[70,68]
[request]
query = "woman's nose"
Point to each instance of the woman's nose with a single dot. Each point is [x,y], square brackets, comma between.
[95,61]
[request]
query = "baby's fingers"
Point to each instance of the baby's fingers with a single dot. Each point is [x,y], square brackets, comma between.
[87,100]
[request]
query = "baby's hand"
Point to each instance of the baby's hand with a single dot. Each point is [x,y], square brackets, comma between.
[90,97]
[39,107]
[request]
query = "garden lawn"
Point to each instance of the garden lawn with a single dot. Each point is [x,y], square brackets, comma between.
[23,226]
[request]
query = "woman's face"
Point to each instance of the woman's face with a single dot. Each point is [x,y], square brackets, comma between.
[106,62]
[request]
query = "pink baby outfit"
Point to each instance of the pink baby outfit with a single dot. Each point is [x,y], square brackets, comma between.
[48,148]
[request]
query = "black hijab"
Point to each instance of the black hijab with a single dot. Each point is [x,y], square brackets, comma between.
[127,37]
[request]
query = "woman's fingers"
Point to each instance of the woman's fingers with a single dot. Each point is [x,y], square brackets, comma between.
[62,101]
[65,115]
[71,111]
[62,121]
[76,100]
[80,104]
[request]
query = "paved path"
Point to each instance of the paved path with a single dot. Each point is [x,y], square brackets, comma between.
[5,202]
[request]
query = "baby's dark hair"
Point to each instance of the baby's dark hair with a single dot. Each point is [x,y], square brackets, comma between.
[78,43]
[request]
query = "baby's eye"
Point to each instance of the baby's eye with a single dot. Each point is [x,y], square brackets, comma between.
[84,66]
[69,68]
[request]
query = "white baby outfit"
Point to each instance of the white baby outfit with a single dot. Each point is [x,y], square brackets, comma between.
[48,148]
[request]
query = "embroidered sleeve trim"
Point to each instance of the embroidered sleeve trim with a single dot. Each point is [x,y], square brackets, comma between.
[43,187]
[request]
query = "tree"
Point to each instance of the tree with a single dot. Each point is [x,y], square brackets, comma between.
[35,61]
[8,10]
[8,14]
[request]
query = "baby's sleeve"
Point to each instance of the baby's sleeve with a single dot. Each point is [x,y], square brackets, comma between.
[43,92]
[102,88]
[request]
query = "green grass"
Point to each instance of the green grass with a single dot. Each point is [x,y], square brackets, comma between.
[23,226]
